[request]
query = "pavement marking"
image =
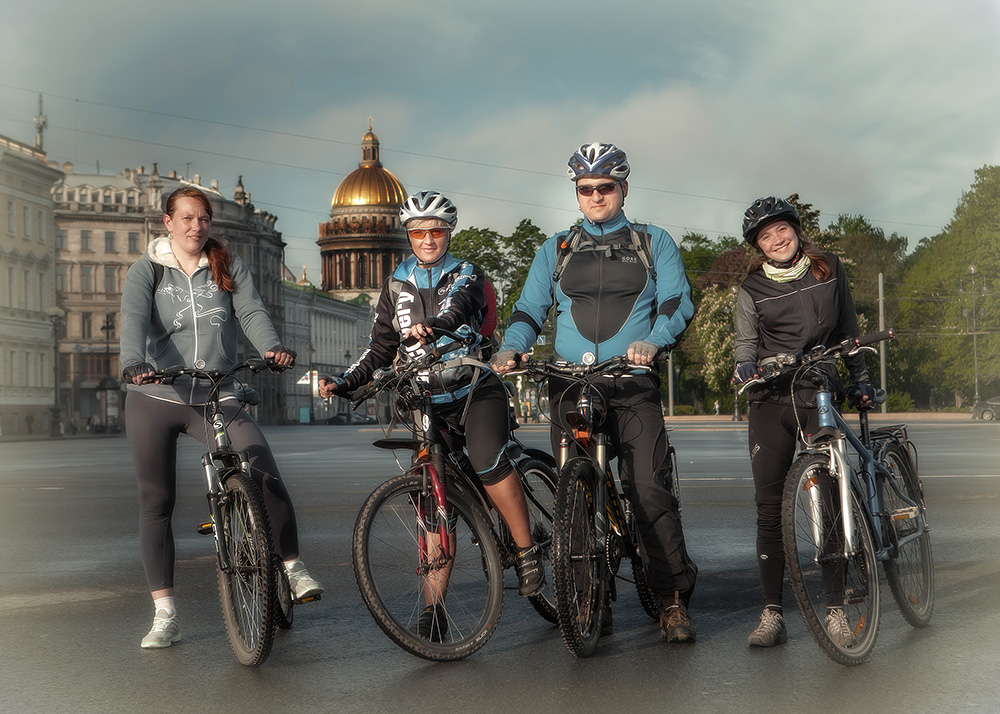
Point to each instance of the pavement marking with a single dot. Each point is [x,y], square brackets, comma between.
[17,602]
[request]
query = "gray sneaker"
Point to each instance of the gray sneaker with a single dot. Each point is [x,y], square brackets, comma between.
[304,588]
[165,631]
[838,628]
[771,630]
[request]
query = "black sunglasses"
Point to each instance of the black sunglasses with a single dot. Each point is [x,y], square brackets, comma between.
[605,189]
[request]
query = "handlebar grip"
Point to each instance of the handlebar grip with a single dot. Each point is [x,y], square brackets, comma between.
[875,337]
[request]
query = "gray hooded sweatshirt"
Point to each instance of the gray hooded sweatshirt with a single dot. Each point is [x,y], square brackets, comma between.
[189,321]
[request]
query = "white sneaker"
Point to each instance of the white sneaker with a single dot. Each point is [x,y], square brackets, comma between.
[302,584]
[165,631]
[838,627]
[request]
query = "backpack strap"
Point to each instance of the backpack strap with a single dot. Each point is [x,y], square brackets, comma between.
[158,270]
[565,249]
[642,243]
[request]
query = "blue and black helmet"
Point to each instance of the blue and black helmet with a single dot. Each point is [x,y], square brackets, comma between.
[596,160]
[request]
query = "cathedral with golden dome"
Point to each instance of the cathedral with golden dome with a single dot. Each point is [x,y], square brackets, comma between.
[363,241]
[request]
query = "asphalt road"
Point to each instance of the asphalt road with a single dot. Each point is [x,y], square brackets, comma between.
[73,605]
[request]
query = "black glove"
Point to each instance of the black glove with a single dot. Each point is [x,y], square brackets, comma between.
[861,394]
[745,371]
[134,370]
[434,322]
[280,350]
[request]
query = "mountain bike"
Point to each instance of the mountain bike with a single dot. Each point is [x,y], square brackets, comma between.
[593,526]
[851,501]
[427,545]
[253,587]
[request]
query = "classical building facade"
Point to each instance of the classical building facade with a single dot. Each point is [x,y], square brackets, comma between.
[103,225]
[28,312]
[363,241]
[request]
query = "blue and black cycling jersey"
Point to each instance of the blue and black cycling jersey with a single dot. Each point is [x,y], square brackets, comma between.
[605,299]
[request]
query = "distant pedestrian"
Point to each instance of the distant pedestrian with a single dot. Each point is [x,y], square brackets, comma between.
[717,407]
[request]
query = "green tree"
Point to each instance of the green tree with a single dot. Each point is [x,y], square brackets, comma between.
[866,252]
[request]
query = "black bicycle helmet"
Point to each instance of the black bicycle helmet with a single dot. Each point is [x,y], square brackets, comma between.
[765,211]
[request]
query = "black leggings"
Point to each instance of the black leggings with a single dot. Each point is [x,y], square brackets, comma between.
[487,428]
[635,417]
[153,426]
[772,437]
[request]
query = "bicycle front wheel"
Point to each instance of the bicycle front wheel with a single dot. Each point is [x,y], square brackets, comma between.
[910,570]
[434,607]
[837,592]
[247,589]
[579,562]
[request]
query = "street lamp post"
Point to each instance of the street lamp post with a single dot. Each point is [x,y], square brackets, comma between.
[56,315]
[975,345]
[107,328]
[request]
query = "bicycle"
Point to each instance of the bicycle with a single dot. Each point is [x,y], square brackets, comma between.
[593,526]
[831,549]
[429,536]
[253,587]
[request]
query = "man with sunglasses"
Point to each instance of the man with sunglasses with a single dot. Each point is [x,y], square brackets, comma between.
[428,291]
[618,288]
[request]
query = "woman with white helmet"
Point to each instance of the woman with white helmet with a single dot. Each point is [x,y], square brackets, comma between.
[431,290]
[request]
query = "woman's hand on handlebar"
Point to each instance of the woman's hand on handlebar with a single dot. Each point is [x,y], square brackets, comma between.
[330,386]
[280,357]
[138,373]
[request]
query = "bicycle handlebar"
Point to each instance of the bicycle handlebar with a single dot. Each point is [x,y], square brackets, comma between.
[169,374]
[617,365]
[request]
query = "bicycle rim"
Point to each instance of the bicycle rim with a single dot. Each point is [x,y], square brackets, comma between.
[539,483]
[579,566]
[910,571]
[823,579]
[248,590]
[396,585]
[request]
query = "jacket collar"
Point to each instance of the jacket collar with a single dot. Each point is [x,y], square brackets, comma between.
[611,226]
[160,251]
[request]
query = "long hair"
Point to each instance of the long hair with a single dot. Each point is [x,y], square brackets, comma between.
[819,265]
[217,253]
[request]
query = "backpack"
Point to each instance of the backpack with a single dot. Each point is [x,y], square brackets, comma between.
[641,244]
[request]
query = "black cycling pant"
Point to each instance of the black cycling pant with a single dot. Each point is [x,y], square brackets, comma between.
[638,436]
[772,438]
[152,426]
[487,428]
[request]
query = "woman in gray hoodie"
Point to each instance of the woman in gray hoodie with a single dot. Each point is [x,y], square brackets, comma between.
[184,303]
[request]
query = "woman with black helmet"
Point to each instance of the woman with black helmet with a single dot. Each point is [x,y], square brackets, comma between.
[795,298]
[432,290]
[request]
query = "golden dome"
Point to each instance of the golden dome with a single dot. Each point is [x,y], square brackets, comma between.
[369,184]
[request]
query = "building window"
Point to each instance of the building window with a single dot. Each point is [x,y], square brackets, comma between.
[40,224]
[71,196]
[86,325]
[85,240]
[110,283]
[109,241]
[133,242]
[61,284]
[25,288]
[60,239]
[11,219]
[86,278]
[94,366]
[26,220]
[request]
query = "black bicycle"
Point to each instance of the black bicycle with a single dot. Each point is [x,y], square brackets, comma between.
[428,550]
[594,526]
[843,513]
[253,586]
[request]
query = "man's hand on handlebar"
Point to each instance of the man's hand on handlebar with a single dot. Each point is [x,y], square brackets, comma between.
[506,360]
[642,352]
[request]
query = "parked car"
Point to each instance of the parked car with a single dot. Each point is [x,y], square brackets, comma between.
[987,410]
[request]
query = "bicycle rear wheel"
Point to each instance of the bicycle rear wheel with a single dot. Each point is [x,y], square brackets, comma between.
[397,583]
[579,562]
[539,483]
[837,594]
[247,590]
[910,570]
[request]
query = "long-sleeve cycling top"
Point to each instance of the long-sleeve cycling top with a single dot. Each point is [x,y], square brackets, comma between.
[452,290]
[605,298]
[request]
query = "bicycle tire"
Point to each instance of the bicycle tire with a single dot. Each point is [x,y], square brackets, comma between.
[579,562]
[821,576]
[647,598]
[539,483]
[386,557]
[247,591]
[284,614]
[910,569]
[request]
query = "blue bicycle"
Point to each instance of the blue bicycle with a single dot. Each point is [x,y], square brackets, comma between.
[851,501]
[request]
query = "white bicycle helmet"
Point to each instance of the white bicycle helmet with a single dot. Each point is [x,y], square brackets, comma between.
[429,204]
[596,160]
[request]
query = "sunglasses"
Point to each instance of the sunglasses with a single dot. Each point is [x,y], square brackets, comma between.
[605,189]
[422,233]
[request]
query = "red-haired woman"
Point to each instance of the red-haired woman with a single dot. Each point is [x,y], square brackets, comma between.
[185,302]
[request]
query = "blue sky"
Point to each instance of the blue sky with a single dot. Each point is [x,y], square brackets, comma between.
[871,107]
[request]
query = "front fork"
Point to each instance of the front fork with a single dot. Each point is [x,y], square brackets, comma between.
[211,463]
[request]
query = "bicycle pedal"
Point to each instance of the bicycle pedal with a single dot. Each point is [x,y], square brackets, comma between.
[901,514]
[207,528]
[311,598]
